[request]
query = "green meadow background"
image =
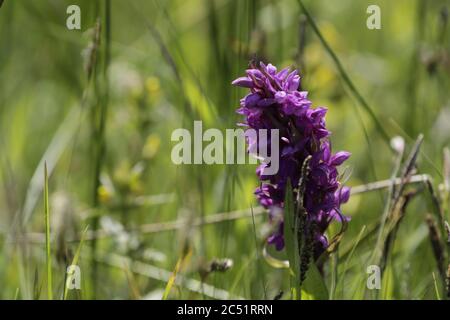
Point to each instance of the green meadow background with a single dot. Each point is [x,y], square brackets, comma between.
[98,107]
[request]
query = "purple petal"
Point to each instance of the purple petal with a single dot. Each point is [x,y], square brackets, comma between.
[283,73]
[251,100]
[339,158]
[244,82]
[344,194]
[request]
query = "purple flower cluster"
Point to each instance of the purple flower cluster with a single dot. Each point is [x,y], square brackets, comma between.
[275,102]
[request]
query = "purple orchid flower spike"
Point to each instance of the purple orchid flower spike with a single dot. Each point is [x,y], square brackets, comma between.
[275,102]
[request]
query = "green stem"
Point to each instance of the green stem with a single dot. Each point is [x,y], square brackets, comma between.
[47,236]
[99,129]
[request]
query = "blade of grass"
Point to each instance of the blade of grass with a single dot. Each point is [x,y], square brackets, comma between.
[291,243]
[376,254]
[172,279]
[404,134]
[99,126]
[52,155]
[334,263]
[438,296]
[314,287]
[75,260]
[159,274]
[37,285]
[347,260]
[47,236]
[180,263]
[260,272]
[345,76]
[135,293]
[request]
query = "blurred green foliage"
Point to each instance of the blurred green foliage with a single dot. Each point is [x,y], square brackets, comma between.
[172,62]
